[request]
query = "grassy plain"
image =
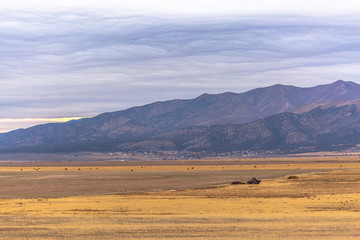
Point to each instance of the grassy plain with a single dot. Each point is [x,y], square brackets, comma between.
[181,199]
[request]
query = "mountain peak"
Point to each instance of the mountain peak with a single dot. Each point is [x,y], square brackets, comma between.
[339,82]
[335,92]
[343,83]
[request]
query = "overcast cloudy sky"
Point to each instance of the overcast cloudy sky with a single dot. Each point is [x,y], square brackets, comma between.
[82,58]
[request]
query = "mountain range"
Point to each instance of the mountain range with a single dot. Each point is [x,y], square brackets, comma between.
[275,117]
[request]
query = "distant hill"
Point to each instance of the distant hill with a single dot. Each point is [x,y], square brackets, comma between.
[158,121]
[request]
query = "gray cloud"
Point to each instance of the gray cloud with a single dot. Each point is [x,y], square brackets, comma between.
[87,62]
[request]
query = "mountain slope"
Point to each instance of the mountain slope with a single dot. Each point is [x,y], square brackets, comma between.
[321,128]
[140,123]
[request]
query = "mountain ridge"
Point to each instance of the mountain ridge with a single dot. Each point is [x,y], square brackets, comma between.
[145,122]
[320,128]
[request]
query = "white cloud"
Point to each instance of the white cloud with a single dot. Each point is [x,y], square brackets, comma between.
[81,63]
[196,7]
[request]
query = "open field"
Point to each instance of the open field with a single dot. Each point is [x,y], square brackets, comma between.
[181,200]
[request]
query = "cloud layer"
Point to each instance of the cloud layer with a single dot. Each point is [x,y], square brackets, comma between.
[84,62]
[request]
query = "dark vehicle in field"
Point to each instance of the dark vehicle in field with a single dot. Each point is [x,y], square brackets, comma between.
[254,181]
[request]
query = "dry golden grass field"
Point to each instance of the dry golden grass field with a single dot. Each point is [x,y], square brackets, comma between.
[182,199]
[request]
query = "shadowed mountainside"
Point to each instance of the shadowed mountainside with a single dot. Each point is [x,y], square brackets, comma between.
[138,124]
[318,129]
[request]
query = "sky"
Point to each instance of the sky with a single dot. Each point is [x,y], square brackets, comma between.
[71,59]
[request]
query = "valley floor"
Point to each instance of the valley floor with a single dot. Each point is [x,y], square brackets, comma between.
[173,201]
